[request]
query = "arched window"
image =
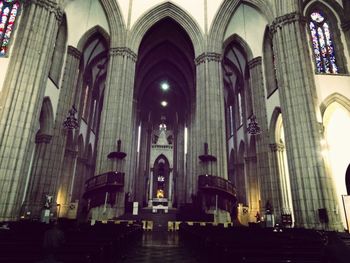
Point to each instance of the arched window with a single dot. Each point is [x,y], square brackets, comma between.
[322,42]
[8,13]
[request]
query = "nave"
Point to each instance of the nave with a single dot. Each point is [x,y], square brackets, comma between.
[160,246]
[128,242]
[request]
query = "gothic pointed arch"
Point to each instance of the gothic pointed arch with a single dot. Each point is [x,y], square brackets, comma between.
[238,40]
[115,21]
[224,14]
[335,97]
[46,118]
[333,4]
[164,10]
[162,157]
[90,33]
[273,124]
[325,39]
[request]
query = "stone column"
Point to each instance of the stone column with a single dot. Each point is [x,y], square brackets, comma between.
[49,171]
[262,145]
[210,114]
[143,164]
[284,179]
[37,188]
[179,139]
[116,117]
[133,155]
[279,180]
[24,89]
[64,189]
[191,158]
[252,181]
[312,186]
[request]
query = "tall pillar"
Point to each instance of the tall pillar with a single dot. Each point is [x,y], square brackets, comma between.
[179,172]
[35,196]
[262,145]
[210,114]
[45,179]
[65,186]
[116,117]
[253,193]
[133,155]
[280,181]
[144,156]
[191,158]
[24,89]
[312,187]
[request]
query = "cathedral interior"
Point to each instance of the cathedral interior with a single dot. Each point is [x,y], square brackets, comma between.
[230,113]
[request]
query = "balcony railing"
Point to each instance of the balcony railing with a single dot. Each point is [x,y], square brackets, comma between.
[106,182]
[216,184]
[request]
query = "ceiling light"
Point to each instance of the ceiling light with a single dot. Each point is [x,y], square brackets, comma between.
[165,86]
[164,103]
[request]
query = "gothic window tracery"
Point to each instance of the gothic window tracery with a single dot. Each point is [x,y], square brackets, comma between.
[322,43]
[8,14]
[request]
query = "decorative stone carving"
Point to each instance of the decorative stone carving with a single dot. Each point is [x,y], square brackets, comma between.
[207,56]
[123,51]
[49,5]
[277,147]
[285,20]
[254,62]
[74,52]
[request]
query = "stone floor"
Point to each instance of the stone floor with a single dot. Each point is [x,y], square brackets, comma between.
[159,246]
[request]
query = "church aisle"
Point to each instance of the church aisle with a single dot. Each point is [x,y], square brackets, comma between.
[159,246]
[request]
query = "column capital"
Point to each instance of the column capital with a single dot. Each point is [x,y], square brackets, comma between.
[286,19]
[74,52]
[207,56]
[277,147]
[257,61]
[43,138]
[123,51]
[50,5]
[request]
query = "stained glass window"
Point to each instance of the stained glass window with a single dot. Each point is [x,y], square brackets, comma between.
[240,109]
[322,44]
[8,13]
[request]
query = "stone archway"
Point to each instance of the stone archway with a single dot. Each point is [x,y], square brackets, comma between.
[164,97]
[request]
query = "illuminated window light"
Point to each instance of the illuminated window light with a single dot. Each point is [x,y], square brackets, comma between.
[164,103]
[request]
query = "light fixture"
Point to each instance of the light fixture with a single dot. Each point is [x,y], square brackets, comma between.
[71,121]
[164,86]
[253,127]
[164,103]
